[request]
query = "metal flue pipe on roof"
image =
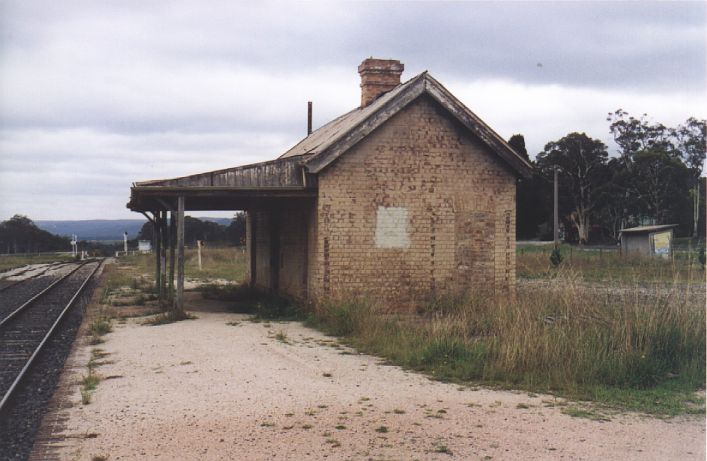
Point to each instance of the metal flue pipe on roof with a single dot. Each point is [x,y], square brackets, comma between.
[309,118]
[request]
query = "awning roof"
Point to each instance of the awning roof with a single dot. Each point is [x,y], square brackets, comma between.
[236,188]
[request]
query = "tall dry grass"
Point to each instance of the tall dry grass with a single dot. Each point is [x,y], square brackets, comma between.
[559,337]
[610,265]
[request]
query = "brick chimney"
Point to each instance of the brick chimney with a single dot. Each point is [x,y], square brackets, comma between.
[378,76]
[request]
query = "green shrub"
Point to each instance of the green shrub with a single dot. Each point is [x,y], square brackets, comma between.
[556,257]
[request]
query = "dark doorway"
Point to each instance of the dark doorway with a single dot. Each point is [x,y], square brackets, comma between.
[274,251]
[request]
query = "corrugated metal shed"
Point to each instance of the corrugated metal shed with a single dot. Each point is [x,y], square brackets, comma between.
[654,240]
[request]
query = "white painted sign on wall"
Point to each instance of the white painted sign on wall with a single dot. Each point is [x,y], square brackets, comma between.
[392,227]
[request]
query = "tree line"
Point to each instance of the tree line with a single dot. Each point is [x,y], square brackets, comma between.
[653,179]
[20,234]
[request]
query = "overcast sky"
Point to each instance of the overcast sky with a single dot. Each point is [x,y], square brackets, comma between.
[97,94]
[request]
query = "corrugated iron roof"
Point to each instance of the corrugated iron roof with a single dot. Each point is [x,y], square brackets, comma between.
[648,229]
[330,141]
[324,136]
[280,172]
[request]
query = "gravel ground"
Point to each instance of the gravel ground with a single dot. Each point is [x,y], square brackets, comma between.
[21,421]
[207,390]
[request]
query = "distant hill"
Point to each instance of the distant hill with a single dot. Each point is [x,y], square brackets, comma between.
[94,229]
[104,229]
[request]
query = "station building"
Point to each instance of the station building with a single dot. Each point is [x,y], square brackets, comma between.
[408,195]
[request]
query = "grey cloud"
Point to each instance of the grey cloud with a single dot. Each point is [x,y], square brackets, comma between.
[627,43]
[95,95]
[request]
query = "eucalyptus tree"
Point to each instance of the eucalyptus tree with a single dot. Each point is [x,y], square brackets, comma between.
[582,164]
[663,165]
[691,146]
[533,196]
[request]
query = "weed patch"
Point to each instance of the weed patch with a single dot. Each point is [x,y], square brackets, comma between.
[169,317]
[99,327]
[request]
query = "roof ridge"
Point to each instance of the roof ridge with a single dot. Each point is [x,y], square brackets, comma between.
[320,139]
[390,103]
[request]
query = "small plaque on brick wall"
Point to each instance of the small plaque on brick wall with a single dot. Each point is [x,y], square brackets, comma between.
[392,227]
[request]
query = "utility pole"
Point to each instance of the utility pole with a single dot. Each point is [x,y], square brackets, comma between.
[199,244]
[556,227]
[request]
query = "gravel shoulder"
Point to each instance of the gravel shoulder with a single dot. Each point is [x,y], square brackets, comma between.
[206,390]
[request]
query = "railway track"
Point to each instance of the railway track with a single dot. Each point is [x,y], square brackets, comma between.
[25,330]
[15,294]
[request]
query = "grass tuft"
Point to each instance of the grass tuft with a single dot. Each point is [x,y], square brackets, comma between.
[99,327]
[442,449]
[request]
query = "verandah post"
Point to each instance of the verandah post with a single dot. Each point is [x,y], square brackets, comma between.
[163,255]
[180,254]
[156,251]
[172,242]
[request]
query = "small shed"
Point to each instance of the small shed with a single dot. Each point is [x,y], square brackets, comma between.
[648,240]
[144,246]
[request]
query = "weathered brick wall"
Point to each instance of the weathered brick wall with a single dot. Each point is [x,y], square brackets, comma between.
[417,207]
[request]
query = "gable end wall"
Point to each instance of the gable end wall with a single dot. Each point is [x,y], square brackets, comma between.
[457,198]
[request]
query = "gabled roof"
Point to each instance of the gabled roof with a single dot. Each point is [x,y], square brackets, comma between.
[294,173]
[332,140]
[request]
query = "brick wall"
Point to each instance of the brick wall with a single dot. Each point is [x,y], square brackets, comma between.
[418,206]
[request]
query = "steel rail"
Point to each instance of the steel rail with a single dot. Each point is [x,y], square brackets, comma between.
[38,349]
[46,269]
[41,293]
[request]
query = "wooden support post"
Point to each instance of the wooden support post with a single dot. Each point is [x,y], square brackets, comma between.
[180,254]
[253,230]
[163,255]
[156,251]
[198,252]
[172,244]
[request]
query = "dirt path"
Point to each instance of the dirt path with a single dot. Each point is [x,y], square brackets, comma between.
[206,390]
